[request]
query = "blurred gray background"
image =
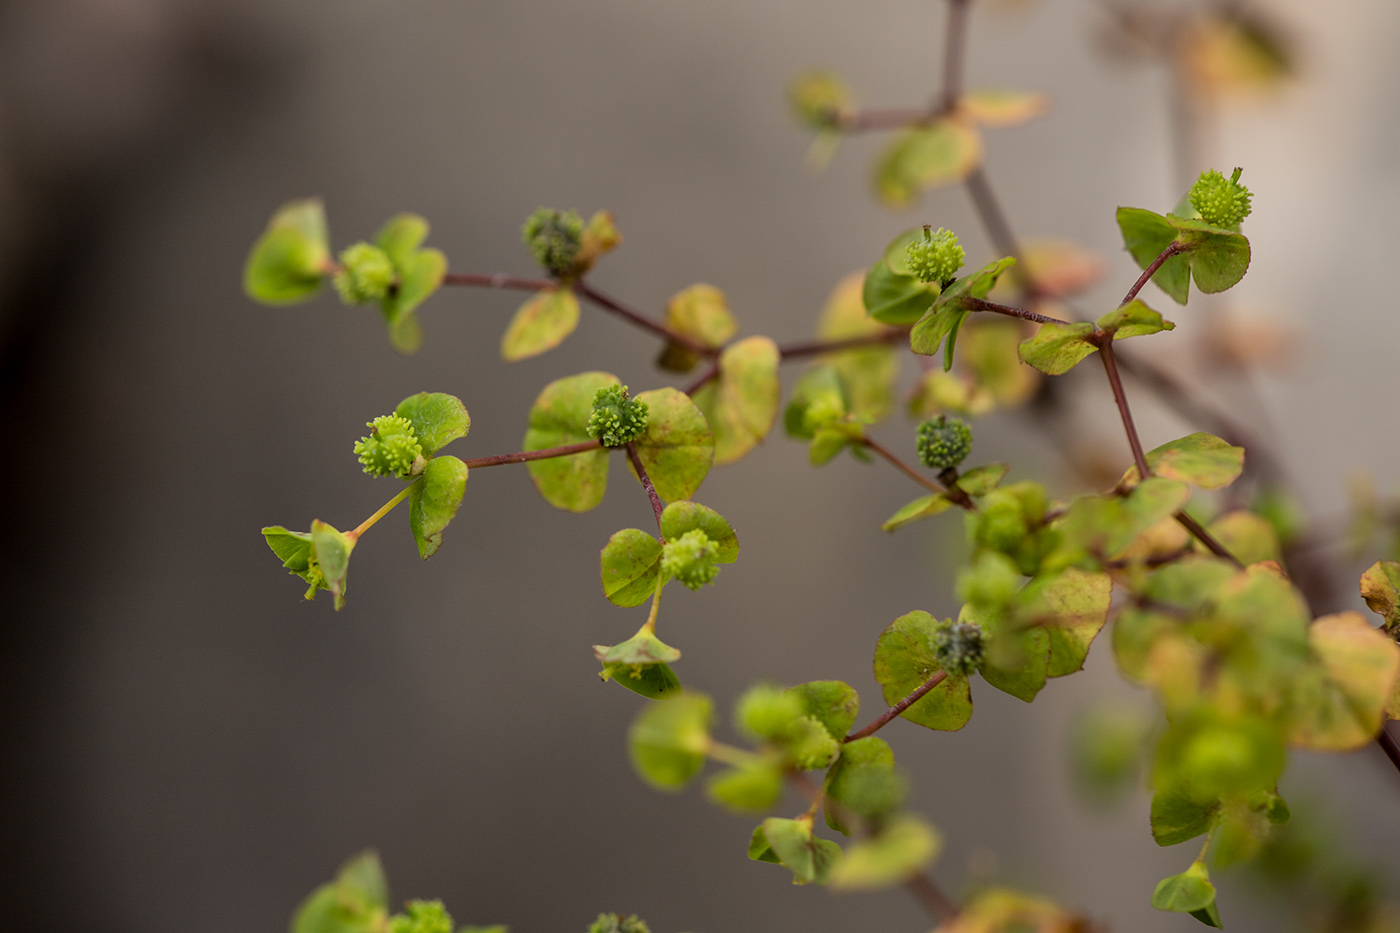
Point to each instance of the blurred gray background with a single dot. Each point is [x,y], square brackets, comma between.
[187,745]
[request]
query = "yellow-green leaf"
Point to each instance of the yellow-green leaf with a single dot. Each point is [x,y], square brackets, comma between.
[540,324]
[741,403]
[677,447]
[1339,702]
[926,157]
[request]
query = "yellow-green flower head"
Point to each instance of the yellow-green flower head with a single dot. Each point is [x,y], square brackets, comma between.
[1222,202]
[391,448]
[691,559]
[366,274]
[959,647]
[422,917]
[936,257]
[616,419]
[554,238]
[944,442]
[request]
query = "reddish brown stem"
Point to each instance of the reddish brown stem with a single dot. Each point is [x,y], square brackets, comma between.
[1104,341]
[954,49]
[528,455]
[889,714]
[792,351]
[632,316]
[656,505]
[886,118]
[1387,743]
[953,492]
[709,374]
[1174,248]
[977,304]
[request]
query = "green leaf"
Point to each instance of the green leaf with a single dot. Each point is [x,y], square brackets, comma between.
[1071,607]
[752,787]
[355,902]
[1339,702]
[293,548]
[809,858]
[1199,459]
[951,308]
[999,107]
[1219,258]
[861,785]
[832,703]
[437,419]
[1134,319]
[669,739]
[433,501]
[905,659]
[759,849]
[1177,816]
[642,648]
[741,403]
[981,480]
[677,447]
[1057,348]
[1248,536]
[290,260]
[630,564]
[683,516]
[895,298]
[332,550]
[540,324]
[559,418]
[926,157]
[655,681]
[701,313]
[1146,235]
[922,507]
[420,273]
[1380,587]
[1185,893]
[1017,658]
[903,847]
[869,372]
[819,389]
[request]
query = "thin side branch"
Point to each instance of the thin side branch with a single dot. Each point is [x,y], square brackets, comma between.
[528,455]
[656,505]
[1174,248]
[888,715]
[793,351]
[632,316]
[479,280]
[977,304]
[954,493]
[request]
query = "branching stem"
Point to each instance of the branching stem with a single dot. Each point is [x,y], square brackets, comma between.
[527,455]
[977,304]
[1174,248]
[952,491]
[632,316]
[888,715]
[384,509]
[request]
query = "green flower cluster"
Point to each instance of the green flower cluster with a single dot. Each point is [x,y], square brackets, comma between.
[775,715]
[1222,202]
[959,647]
[616,419]
[612,923]
[937,257]
[366,274]
[944,442]
[691,559]
[554,238]
[391,448]
[422,917]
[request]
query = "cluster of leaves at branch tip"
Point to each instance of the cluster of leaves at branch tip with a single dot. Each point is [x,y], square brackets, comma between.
[391,449]
[555,239]
[613,923]
[1221,202]
[616,419]
[778,716]
[944,442]
[366,274]
[422,917]
[691,559]
[820,99]
[937,257]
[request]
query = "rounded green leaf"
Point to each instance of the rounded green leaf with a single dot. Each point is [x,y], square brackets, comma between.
[1248,536]
[419,271]
[433,501]
[1134,319]
[1339,702]
[356,901]
[677,447]
[944,319]
[540,324]
[684,516]
[905,660]
[1017,658]
[926,157]
[868,372]
[630,564]
[922,507]
[654,681]
[1200,459]
[893,297]
[669,739]
[1219,258]
[861,785]
[741,403]
[642,648]
[1185,893]
[752,787]
[1146,235]
[903,847]
[1071,607]
[981,480]
[1380,587]
[290,260]
[1178,816]
[1057,348]
[700,312]
[833,703]
[559,418]
[437,419]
